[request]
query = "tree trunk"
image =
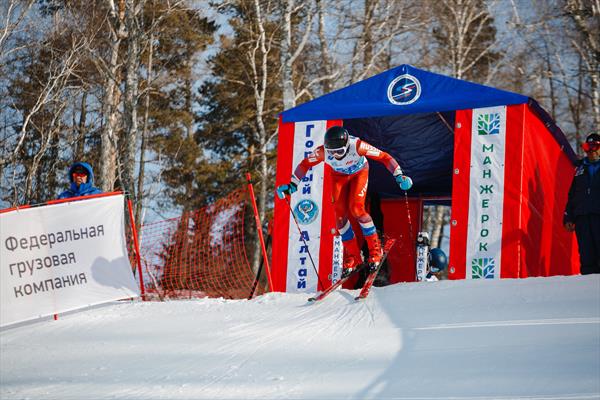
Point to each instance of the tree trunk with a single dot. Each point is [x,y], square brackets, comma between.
[131,98]
[189,96]
[80,141]
[438,225]
[262,205]
[110,109]
[47,136]
[326,83]
[367,39]
[595,84]
[586,15]
[260,90]
[289,96]
[142,168]
[550,77]
[108,151]
[53,158]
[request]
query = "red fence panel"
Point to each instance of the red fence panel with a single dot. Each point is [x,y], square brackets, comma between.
[206,252]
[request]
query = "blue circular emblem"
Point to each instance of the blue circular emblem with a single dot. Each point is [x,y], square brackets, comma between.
[306,211]
[403,90]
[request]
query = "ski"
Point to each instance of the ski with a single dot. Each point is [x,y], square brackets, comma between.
[323,294]
[373,274]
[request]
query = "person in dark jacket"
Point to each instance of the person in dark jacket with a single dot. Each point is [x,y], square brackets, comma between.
[582,213]
[81,177]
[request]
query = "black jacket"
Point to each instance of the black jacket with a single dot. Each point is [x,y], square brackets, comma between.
[584,194]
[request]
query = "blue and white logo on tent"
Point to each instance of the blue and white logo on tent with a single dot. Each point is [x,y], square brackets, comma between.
[405,89]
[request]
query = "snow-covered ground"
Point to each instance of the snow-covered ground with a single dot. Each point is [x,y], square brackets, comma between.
[527,339]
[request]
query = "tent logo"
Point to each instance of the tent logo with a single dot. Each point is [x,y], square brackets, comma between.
[306,211]
[488,124]
[483,268]
[405,89]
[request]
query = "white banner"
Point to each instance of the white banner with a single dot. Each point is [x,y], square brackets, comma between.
[486,201]
[338,259]
[307,206]
[62,257]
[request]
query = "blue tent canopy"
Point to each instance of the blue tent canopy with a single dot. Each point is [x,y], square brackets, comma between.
[400,91]
[410,113]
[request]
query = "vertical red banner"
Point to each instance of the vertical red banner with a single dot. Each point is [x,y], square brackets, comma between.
[512,235]
[328,229]
[281,218]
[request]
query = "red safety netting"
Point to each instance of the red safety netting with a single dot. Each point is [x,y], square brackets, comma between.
[208,252]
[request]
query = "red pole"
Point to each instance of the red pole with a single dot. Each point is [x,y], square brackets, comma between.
[259,229]
[137,249]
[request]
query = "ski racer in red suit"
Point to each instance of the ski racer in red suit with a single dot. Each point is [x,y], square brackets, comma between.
[347,156]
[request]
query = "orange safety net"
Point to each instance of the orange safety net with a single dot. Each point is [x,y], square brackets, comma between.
[208,252]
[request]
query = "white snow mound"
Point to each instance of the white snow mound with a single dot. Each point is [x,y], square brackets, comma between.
[536,338]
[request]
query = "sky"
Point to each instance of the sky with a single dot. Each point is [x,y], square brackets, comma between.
[535,338]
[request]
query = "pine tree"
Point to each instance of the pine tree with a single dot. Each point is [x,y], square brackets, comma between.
[465,38]
[228,128]
[182,34]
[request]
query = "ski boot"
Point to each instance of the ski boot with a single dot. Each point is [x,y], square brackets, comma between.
[352,257]
[375,252]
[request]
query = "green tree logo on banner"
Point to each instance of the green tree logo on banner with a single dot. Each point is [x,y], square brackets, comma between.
[488,124]
[483,268]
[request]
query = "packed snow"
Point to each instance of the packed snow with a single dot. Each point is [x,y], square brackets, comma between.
[536,338]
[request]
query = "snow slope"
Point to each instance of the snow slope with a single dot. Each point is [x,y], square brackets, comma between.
[534,338]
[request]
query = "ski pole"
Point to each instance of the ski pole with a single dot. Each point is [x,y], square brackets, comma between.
[410,226]
[305,244]
[260,267]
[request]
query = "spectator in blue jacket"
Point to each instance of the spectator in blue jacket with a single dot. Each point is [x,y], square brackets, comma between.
[81,176]
[582,213]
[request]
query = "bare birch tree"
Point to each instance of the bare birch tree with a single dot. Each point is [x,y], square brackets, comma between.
[288,53]
[139,199]
[257,56]
[326,61]
[110,70]
[467,38]
[559,77]
[586,18]
[14,13]
[52,94]
[132,71]
[382,29]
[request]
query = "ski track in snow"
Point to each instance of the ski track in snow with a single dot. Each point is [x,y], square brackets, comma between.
[530,339]
[495,324]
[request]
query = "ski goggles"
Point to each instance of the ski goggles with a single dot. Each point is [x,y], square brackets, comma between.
[78,174]
[337,152]
[590,146]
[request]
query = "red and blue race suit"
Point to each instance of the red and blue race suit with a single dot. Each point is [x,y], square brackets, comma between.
[350,179]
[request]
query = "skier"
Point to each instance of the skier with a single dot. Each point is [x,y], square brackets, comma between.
[347,156]
[438,261]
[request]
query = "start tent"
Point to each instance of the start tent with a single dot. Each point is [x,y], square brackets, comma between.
[496,157]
